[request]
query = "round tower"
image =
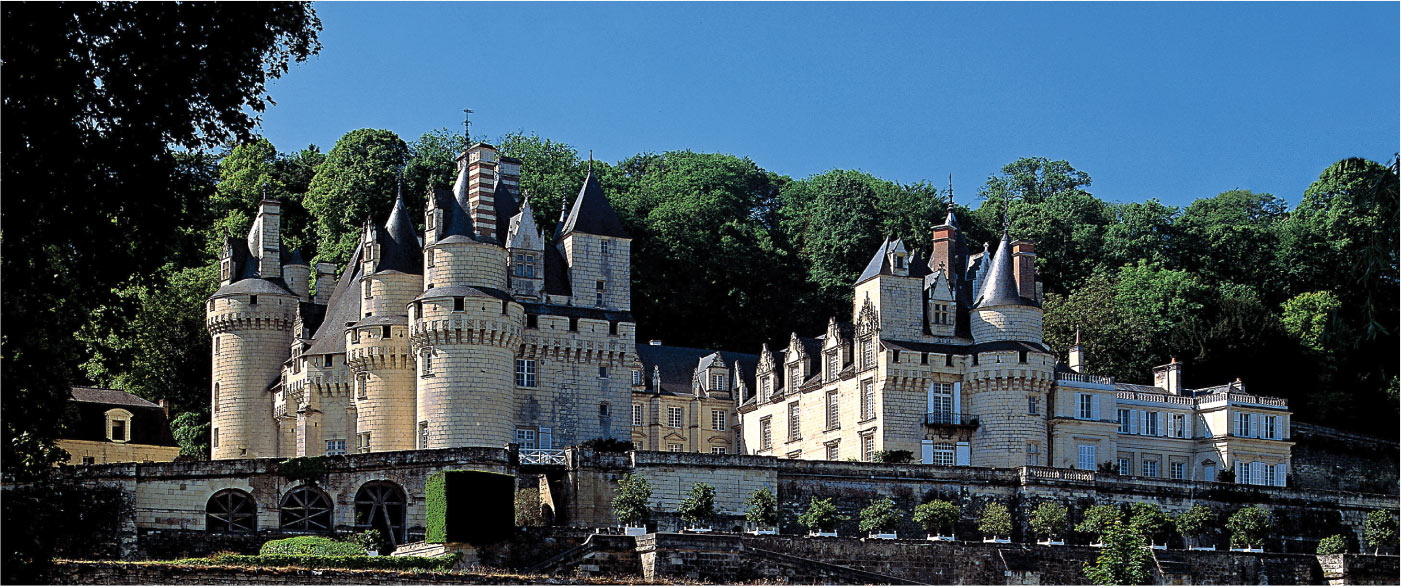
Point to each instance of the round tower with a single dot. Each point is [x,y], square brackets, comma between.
[250,321]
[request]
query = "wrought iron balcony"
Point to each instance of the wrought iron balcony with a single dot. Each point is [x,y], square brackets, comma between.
[542,457]
[951,419]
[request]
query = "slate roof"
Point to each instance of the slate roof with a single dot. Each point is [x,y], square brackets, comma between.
[463,291]
[112,397]
[253,286]
[1000,285]
[556,272]
[958,349]
[1140,388]
[879,264]
[678,365]
[293,258]
[90,405]
[399,246]
[344,306]
[591,213]
[455,220]
[507,206]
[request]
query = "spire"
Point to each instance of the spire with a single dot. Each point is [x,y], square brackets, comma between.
[458,221]
[592,214]
[400,251]
[1000,285]
[559,224]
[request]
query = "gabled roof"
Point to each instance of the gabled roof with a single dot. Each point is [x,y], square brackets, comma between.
[1000,286]
[343,307]
[677,365]
[592,214]
[293,258]
[89,405]
[109,397]
[879,265]
[399,246]
[523,232]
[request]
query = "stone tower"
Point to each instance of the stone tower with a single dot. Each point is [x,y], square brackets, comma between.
[597,250]
[250,318]
[377,346]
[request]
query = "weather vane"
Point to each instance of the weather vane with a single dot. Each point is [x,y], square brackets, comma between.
[467,125]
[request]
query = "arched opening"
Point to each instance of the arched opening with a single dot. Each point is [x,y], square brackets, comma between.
[306,508]
[381,505]
[231,511]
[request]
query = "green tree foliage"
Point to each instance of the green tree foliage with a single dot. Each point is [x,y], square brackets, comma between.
[1380,529]
[1124,559]
[528,513]
[1098,520]
[1048,519]
[761,508]
[1331,545]
[893,457]
[91,143]
[432,163]
[699,505]
[191,432]
[1232,237]
[358,181]
[995,520]
[1249,526]
[820,516]
[881,516]
[313,545]
[551,173]
[1141,232]
[1310,317]
[1150,521]
[937,516]
[630,500]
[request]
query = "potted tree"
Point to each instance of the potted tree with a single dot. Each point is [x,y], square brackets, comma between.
[938,517]
[880,519]
[1049,519]
[698,508]
[821,518]
[1332,544]
[995,521]
[1248,527]
[762,512]
[1379,530]
[1152,523]
[1192,524]
[1097,522]
[630,504]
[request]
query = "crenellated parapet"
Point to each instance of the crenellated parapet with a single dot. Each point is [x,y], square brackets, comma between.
[505,333]
[237,319]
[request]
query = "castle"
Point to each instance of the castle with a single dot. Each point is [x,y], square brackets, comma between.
[482,333]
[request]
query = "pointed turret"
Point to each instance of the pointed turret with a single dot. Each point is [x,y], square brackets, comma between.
[879,263]
[399,248]
[523,231]
[592,214]
[1000,285]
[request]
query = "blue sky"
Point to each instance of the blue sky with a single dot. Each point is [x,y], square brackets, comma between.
[1174,101]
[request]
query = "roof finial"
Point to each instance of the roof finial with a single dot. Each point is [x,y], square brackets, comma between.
[950,191]
[1077,334]
[467,126]
[591,160]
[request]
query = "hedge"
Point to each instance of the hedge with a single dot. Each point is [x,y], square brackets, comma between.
[440,563]
[310,545]
[436,489]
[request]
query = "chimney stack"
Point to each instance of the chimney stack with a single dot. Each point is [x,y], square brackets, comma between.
[325,282]
[265,239]
[1169,377]
[1024,259]
[481,189]
[1077,354]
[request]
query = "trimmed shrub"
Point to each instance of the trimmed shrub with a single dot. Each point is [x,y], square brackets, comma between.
[1380,530]
[821,515]
[436,497]
[698,506]
[370,540]
[881,516]
[630,502]
[1195,521]
[893,457]
[762,508]
[1099,519]
[1150,521]
[1331,545]
[995,520]
[310,545]
[937,516]
[1048,519]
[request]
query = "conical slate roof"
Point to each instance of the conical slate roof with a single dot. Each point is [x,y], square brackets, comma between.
[591,213]
[1000,285]
[399,247]
[507,207]
[457,221]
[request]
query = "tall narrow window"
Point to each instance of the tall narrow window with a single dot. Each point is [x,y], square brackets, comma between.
[216,344]
[216,397]
[1031,404]
[423,435]
[637,415]
[766,388]
[1033,454]
[525,373]
[941,402]
[1125,421]
[766,433]
[385,332]
[794,422]
[833,365]
[636,377]
[598,291]
[795,378]
[717,420]
[868,354]
[868,400]
[833,411]
[605,247]
[717,382]
[1087,458]
[833,453]
[367,289]
[868,447]
[1086,406]
[674,416]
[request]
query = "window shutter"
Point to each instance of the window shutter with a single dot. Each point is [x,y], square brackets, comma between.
[1094,407]
[546,438]
[1254,425]
[1279,475]
[1257,473]
[929,400]
[1134,424]
[926,451]
[957,399]
[1162,423]
[961,454]
[1240,472]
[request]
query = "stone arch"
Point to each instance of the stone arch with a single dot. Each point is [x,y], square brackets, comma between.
[382,505]
[231,511]
[307,508]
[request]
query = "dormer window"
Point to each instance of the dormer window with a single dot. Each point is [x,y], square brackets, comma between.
[717,382]
[119,425]
[252,299]
[794,377]
[868,353]
[899,261]
[636,378]
[224,270]
[833,365]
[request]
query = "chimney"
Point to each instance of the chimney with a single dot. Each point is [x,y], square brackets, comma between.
[165,407]
[1077,354]
[325,282]
[265,239]
[943,252]
[1169,377]
[481,189]
[1024,262]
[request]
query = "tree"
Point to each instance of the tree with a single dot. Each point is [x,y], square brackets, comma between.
[1048,519]
[821,515]
[528,510]
[1310,317]
[937,516]
[1033,180]
[1380,530]
[893,457]
[1124,559]
[551,172]
[1333,544]
[1141,232]
[699,505]
[630,501]
[358,181]
[1233,237]
[1150,521]
[995,520]
[762,508]
[1248,527]
[191,431]
[1098,520]
[98,97]
[881,516]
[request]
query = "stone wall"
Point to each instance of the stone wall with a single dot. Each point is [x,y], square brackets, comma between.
[1325,458]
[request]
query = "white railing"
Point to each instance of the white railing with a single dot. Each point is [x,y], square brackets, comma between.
[1243,398]
[1154,398]
[1085,378]
[542,456]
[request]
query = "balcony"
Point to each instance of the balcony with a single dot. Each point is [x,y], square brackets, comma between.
[542,457]
[944,418]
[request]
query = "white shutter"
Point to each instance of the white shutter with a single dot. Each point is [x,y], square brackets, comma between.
[929,399]
[926,452]
[1257,473]
[1279,475]
[1254,425]
[1162,423]
[957,399]
[1094,407]
[961,454]
[1135,426]
[1241,473]
[547,440]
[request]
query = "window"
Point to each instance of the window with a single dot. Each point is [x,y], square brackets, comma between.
[636,377]
[637,415]
[1033,454]
[833,365]
[1178,425]
[429,257]
[673,447]
[364,441]
[1125,421]
[944,454]
[942,315]
[674,416]
[604,410]
[717,420]
[216,344]
[366,286]
[526,438]
[598,292]
[832,451]
[89,460]
[899,262]
[384,332]
[1243,425]
[1271,427]
[223,276]
[216,397]
[1086,403]
[252,299]
[532,321]
[1151,422]
[360,384]
[215,439]
[459,304]
[717,382]
[868,354]
[605,247]
[868,447]
[1150,468]
[766,388]
[1087,458]
[1021,356]
[1209,471]
[335,447]
[1177,470]
[603,372]
[354,336]
[573,324]
[1243,473]
[1268,474]
[427,362]
[1125,466]
[794,423]
[717,450]
[795,377]
[833,411]
[868,400]
[119,425]
[766,433]
[328,361]
[525,372]
[1031,403]
[941,402]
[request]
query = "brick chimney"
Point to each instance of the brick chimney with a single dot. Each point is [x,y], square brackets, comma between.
[481,189]
[1024,257]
